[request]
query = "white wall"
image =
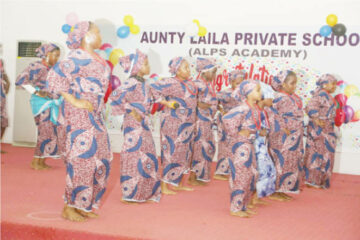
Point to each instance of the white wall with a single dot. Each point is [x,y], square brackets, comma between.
[42,20]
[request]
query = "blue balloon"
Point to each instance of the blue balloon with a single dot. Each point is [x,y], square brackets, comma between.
[108,51]
[66,28]
[325,31]
[123,32]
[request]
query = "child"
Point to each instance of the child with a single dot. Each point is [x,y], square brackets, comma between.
[82,80]
[140,176]
[5,84]
[204,147]
[33,79]
[286,138]
[242,123]
[226,102]
[177,125]
[321,138]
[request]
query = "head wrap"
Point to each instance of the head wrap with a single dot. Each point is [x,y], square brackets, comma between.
[235,74]
[77,34]
[279,79]
[174,64]
[205,64]
[44,49]
[324,79]
[247,86]
[133,62]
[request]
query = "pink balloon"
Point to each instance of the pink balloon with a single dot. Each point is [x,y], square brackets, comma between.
[115,82]
[340,82]
[105,46]
[349,113]
[72,19]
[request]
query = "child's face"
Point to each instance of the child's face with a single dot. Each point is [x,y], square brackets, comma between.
[236,82]
[289,86]
[184,70]
[145,68]
[93,36]
[330,87]
[255,94]
[53,57]
[210,75]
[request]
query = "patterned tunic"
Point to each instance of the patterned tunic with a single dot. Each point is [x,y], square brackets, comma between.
[177,126]
[287,150]
[3,111]
[140,176]
[204,147]
[321,142]
[227,101]
[242,161]
[86,146]
[47,140]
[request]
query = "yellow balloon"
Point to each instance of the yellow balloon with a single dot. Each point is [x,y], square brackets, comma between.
[331,20]
[134,29]
[351,90]
[357,114]
[115,55]
[196,22]
[129,20]
[202,31]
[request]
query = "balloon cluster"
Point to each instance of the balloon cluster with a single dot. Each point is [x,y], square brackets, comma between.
[344,111]
[193,30]
[338,29]
[112,55]
[71,20]
[130,27]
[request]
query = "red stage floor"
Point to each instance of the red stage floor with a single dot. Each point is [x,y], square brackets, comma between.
[31,203]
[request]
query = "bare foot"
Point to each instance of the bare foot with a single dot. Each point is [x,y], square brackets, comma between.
[165,190]
[3,152]
[221,177]
[35,164]
[277,197]
[251,205]
[312,186]
[286,197]
[87,214]
[240,214]
[183,188]
[249,211]
[128,202]
[71,214]
[257,200]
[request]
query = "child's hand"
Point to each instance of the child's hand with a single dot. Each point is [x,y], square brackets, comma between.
[170,104]
[203,106]
[319,122]
[286,131]
[136,115]
[263,132]
[84,104]
[42,94]
[245,133]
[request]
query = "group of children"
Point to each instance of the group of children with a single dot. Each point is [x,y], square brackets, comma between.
[260,128]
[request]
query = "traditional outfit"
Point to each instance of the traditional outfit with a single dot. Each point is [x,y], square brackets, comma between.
[3,110]
[35,75]
[321,141]
[242,160]
[87,152]
[140,176]
[177,125]
[265,184]
[204,147]
[287,150]
[228,101]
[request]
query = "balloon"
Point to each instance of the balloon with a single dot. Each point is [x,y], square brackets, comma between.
[108,52]
[351,90]
[134,29]
[115,55]
[66,28]
[331,20]
[349,113]
[202,31]
[356,116]
[325,31]
[196,22]
[339,117]
[105,46]
[123,32]
[340,82]
[128,20]
[72,19]
[115,82]
[339,29]
[341,99]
